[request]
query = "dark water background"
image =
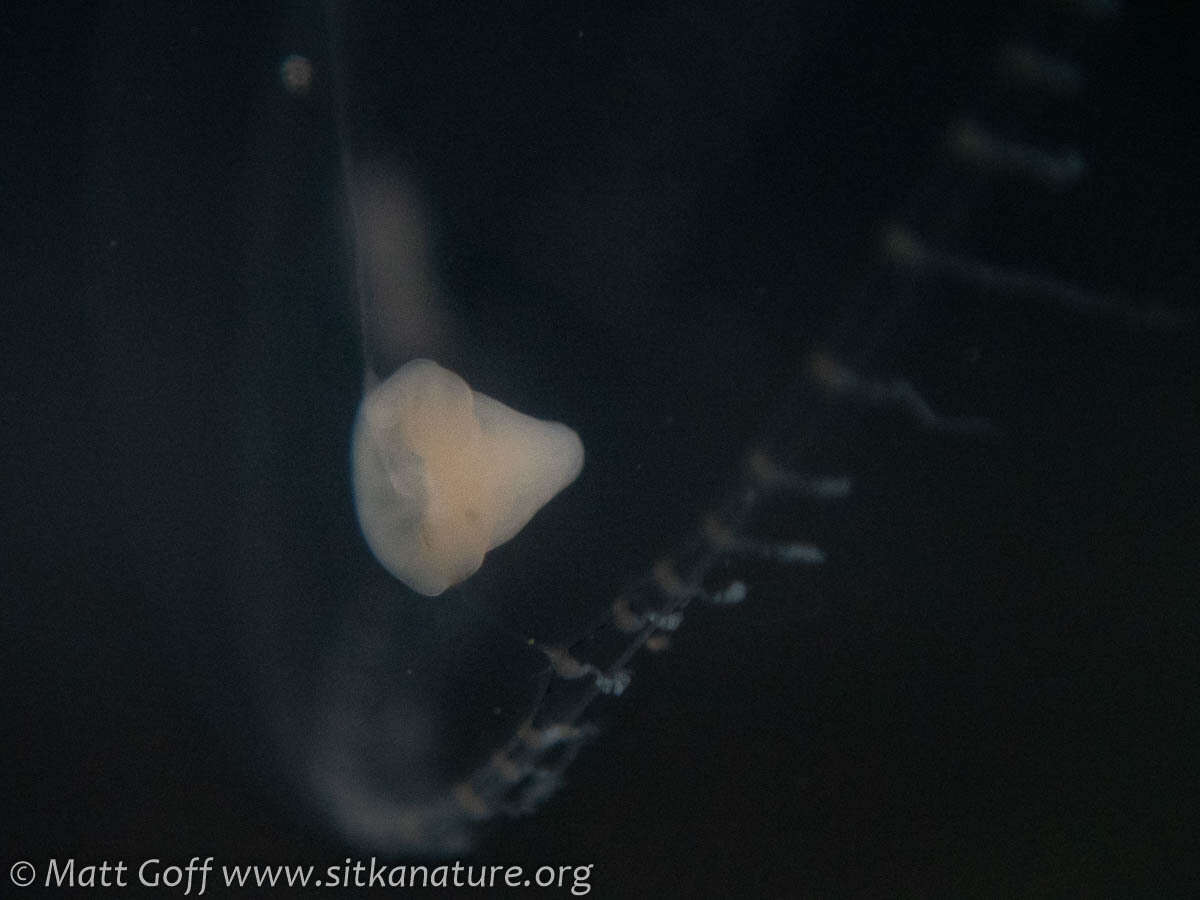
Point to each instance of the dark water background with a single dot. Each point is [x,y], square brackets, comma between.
[644,221]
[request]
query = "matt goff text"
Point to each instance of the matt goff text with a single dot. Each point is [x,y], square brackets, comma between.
[188,878]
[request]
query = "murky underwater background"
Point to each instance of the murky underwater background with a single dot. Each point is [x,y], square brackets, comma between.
[644,225]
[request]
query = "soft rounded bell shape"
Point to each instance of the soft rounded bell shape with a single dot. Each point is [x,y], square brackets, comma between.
[443,474]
